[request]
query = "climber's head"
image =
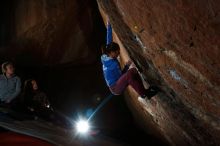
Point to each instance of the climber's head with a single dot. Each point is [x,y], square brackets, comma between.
[112,50]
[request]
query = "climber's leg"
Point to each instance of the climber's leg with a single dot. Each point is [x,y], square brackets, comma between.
[120,85]
[131,77]
[135,81]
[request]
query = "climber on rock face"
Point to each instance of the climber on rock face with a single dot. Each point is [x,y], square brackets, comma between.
[117,79]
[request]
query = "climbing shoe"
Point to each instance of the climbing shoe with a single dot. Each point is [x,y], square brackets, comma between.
[150,92]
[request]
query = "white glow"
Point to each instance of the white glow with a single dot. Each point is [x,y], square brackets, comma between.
[82,126]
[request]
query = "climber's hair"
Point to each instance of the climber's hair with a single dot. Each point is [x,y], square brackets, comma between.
[112,47]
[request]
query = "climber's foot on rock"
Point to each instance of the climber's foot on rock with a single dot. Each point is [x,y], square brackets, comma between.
[150,92]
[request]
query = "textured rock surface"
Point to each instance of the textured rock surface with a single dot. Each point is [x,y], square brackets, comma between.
[54,31]
[176,45]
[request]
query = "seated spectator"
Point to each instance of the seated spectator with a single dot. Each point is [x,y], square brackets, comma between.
[34,99]
[37,102]
[10,84]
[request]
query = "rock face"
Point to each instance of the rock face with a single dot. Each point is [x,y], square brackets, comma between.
[54,31]
[175,45]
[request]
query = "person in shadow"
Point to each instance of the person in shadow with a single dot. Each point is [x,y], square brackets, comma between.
[36,102]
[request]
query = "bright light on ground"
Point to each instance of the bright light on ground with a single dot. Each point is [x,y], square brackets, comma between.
[82,126]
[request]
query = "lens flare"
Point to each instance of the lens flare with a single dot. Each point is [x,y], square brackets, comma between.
[82,126]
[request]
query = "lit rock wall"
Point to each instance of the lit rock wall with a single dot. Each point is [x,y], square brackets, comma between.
[175,45]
